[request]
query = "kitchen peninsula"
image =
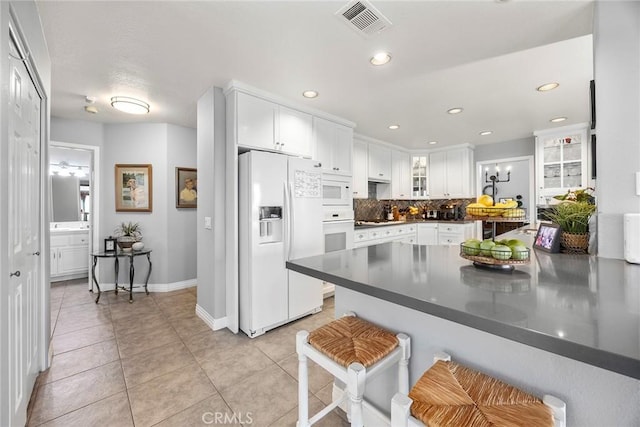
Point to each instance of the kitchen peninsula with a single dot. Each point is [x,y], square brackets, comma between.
[567,325]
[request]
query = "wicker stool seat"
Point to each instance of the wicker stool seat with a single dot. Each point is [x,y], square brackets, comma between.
[352,340]
[353,351]
[449,394]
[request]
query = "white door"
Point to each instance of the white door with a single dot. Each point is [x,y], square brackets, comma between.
[23,312]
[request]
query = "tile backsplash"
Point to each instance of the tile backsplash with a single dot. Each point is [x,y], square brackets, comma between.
[371,208]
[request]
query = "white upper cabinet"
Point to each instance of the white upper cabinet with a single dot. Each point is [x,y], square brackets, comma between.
[379,164]
[400,175]
[266,125]
[561,160]
[450,174]
[360,175]
[334,146]
[419,188]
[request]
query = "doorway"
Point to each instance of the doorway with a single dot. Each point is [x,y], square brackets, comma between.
[520,186]
[82,162]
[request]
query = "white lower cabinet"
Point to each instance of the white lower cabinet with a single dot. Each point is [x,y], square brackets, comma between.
[69,255]
[454,234]
[405,233]
[428,233]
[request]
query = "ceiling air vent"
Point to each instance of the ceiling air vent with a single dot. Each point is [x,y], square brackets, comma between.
[362,17]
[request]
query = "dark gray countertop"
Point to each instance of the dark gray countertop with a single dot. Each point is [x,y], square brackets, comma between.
[411,222]
[582,307]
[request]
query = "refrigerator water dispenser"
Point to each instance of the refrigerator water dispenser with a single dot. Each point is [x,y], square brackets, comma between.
[270,224]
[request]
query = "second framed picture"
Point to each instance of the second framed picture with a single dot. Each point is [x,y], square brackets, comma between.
[186,188]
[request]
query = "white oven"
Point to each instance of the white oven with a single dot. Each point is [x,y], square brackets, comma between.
[336,190]
[338,235]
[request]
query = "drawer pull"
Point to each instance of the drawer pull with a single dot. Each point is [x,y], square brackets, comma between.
[17,274]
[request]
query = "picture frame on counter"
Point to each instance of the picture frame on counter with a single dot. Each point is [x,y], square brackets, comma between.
[548,238]
[110,244]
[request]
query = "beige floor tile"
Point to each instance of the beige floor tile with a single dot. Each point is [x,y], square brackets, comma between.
[143,322]
[189,325]
[169,295]
[175,312]
[207,344]
[336,418]
[318,377]
[143,304]
[82,296]
[267,395]
[113,411]
[169,394]
[325,393]
[80,360]
[211,411]
[151,364]
[232,365]
[278,344]
[82,338]
[180,298]
[71,393]
[143,340]
[80,317]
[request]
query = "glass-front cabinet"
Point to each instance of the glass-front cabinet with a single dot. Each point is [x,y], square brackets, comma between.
[561,158]
[419,176]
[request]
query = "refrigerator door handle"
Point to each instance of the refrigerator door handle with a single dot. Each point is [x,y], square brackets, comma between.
[287,211]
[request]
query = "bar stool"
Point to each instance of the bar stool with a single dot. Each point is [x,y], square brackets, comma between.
[352,350]
[449,394]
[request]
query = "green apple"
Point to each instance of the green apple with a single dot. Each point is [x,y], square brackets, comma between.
[519,252]
[485,247]
[501,252]
[515,242]
[471,247]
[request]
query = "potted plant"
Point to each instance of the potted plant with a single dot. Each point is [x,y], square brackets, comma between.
[573,219]
[128,233]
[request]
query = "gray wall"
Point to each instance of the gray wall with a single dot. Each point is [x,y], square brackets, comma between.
[503,150]
[518,184]
[181,237]
[211,197]
[77,131]
[617,67]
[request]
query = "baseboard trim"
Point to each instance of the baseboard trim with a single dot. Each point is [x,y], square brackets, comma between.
[152,287]
[214,324]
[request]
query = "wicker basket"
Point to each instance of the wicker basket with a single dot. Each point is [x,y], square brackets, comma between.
[578,243]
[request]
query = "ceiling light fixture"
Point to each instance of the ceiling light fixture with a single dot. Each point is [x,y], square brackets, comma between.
[558,119]
[90,109]
[129,105]
[380,58]
[486,132]
[547,87]
[433,142]
[455,110]
[394,127]
[310,94]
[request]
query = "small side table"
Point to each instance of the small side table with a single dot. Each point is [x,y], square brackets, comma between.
[116,255]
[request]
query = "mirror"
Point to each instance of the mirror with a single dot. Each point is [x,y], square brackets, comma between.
[69,171]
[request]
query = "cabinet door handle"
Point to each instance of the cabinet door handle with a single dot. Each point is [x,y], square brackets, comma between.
[36,253]
[380,174]
[17,274]
[318,165]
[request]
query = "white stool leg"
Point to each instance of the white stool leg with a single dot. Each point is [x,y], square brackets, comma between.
[302,338]
[559,409]
[356,374]
[400,407]
[403,364]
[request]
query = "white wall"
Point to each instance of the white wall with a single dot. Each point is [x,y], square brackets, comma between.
[503,150]
[77,131]
[616,73]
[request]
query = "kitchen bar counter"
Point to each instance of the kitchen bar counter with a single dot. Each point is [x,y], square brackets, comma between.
[359,226]
[547,315]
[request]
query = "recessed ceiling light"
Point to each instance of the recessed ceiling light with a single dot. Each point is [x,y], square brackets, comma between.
[433,142]
[455,110]
[394,127]
[548,86]
[486,132]
[558,119]
[310,94]
[129,105]
[380,58]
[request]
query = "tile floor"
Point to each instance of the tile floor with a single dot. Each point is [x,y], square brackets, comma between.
[154,362]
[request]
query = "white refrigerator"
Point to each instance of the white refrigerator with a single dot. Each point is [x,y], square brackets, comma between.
[280,218]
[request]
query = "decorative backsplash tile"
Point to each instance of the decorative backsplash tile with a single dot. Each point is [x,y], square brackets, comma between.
[370,209]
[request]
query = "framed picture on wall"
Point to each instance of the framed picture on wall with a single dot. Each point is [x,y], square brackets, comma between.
[134,188]
[186,188]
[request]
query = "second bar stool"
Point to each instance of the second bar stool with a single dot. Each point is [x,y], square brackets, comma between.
[354,351]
